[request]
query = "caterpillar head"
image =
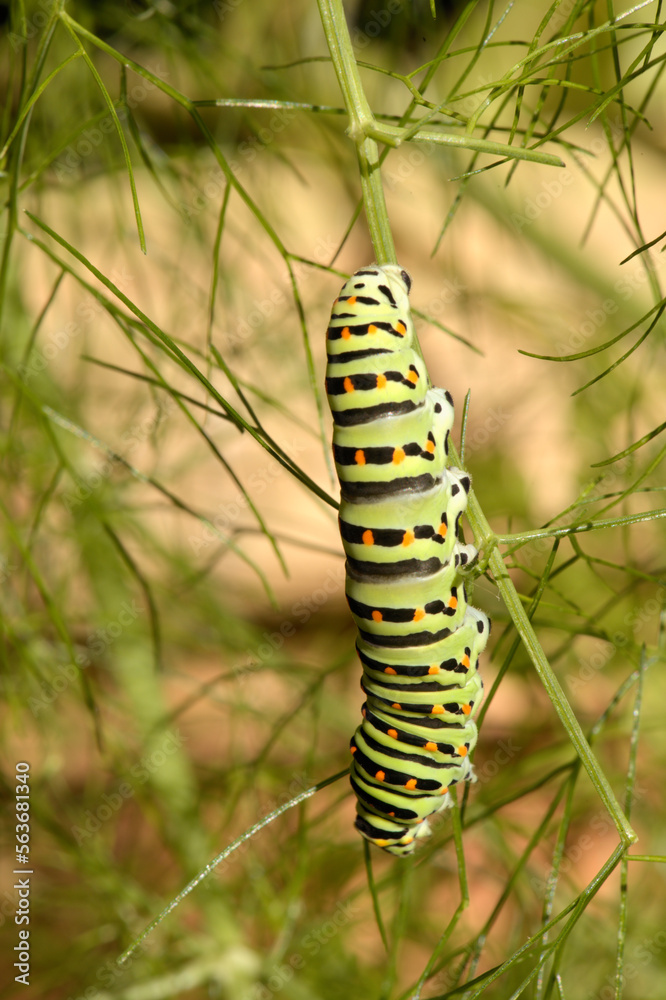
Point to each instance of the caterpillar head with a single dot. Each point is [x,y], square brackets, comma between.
[372,310]
[399,279]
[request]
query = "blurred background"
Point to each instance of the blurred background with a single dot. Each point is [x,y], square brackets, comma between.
[178,656]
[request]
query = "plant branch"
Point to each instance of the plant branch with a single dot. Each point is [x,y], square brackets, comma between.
[362,122]
[487,540]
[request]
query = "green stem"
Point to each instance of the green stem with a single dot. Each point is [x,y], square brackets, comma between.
[374,203]
[487,540]
[362,122]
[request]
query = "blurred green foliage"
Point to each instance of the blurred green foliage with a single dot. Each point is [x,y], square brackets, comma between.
[177,653]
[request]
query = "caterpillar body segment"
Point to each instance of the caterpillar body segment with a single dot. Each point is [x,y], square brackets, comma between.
[401,503]
[418,528]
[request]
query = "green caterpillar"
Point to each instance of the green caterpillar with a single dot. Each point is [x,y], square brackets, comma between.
[419,641]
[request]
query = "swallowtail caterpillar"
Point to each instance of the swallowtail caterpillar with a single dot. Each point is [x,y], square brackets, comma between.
[401,502]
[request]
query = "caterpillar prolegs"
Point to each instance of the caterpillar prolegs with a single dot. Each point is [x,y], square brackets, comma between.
[419,641]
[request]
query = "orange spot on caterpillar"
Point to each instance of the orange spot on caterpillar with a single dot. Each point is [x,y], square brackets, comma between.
[430,446]
[351,301]
[407,840]
[377,616]
[363,713]
[381,381]
[462,751]
[437,710]
[413,377]
[466,709]
[368,537]
[453,603]
[430,746]
[398,456]
[348,384]
[407,538]
[346,333]
[442,530]
[400,328]
[433,668]
[380,775]
[372,328]
[396,705]
[352,749]
[389,670]
[393,733]
[411,784]
[443,791]
[465,662]
[380,843]
[359,457]
[419,613]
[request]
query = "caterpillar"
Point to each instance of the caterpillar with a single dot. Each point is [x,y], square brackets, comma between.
[400,507]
